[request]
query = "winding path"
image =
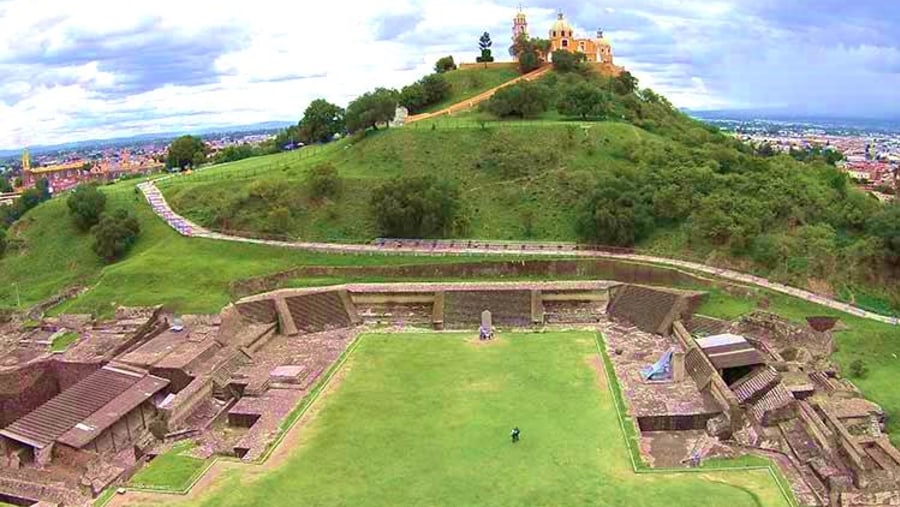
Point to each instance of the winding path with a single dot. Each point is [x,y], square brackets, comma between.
[411,247]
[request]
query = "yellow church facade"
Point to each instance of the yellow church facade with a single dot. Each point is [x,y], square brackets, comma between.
[596,50]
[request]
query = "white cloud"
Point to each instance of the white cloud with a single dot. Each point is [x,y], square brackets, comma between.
[98,68]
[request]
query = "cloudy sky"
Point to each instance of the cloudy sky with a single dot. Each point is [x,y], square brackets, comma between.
[86,69]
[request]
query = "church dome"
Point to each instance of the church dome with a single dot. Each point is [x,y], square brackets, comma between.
[561,26]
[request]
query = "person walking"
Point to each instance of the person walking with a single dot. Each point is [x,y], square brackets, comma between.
[515,434]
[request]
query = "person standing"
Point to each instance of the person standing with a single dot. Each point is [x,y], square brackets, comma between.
[515,434]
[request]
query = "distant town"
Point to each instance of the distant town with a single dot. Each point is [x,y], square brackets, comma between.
[105,161]
[869,150]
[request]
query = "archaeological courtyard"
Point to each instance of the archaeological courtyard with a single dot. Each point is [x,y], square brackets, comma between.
[84,420]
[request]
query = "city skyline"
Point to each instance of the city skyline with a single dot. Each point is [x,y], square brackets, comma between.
[99,70]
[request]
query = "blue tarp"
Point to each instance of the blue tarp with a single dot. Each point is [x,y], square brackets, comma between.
[660,370]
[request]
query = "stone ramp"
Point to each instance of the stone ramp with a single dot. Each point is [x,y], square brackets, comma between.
[319,311]
[650,309]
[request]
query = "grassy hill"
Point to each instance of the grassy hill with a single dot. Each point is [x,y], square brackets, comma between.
[467,83]
[678,187]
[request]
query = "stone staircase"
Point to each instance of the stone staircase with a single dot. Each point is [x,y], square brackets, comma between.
[318,311]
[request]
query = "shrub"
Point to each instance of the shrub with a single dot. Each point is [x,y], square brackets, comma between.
[323,181]
[564,61]
[524,100]
[415,207]
[86,204]
[445,64]
[2,241]
[115,234]
[278,220]
[858,369]
[615,214]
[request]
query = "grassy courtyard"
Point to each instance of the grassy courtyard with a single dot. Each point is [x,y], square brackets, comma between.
[425,420]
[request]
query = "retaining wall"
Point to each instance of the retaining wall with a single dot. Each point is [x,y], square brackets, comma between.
[605,269]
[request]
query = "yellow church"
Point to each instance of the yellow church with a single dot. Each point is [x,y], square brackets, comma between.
[561,35]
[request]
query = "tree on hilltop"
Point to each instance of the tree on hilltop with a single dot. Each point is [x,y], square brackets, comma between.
[436,88]
[370,109]
[321,121]
[484,45]
[445,64]
[186,151]
[565,61]
[5,185]
[529,52]
[412,97]
[86,204]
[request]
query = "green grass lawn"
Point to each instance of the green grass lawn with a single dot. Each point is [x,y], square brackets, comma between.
[172,470]
[63,341]
[467,83]
[424,419]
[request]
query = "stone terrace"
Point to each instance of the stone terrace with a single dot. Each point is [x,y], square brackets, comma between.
[647,399]
[268,397]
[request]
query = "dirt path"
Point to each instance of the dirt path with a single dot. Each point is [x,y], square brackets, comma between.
[471,102]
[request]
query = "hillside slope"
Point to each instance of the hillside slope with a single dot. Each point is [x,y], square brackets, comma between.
[188,275]
[653,176]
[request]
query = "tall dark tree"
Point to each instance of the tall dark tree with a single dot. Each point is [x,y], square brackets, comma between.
[484,45]
[186,152]
[321,121]
[370,109]
[86,204]
[5,186]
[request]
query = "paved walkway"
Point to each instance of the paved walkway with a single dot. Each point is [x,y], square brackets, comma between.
[411,247]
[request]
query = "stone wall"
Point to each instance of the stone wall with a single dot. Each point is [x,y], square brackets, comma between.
[24,389]
[184,403]
[675,422]
[605,269]
[462,309]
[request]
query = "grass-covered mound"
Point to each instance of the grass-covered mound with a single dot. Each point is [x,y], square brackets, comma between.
[190,275]
[469,82]
[664,182]
[426,419]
